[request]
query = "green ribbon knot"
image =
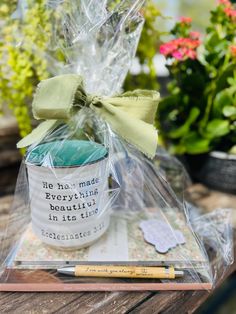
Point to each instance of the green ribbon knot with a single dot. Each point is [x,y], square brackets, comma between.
[130,115]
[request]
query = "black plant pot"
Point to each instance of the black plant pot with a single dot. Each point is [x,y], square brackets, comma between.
[216,170]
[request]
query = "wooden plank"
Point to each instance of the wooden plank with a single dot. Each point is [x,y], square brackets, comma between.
[9,157]
[35,302]
[8,176]
[116,302]
[83,303]
[209,200]
[171,302]
[5,203]
[8,126]
[9,136]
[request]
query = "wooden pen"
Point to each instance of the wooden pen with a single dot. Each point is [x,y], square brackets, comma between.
[121,271]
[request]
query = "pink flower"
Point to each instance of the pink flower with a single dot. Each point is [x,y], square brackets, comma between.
[191,54]
[177,55]
[195,35]
[227,11]
[226,3]
[233,51]
[230,12]
[180,48]
[185,20]
[166,49]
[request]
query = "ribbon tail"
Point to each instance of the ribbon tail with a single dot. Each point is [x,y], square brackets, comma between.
[145,139]
[38,133]
[136,132]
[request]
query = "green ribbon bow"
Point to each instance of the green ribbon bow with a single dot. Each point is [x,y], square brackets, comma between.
[131,115]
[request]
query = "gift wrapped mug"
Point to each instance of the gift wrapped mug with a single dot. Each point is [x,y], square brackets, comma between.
[68,188]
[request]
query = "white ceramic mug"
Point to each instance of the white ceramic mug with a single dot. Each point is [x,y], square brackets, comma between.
[69,205]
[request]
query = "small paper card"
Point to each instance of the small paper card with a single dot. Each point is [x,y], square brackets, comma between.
[161,235]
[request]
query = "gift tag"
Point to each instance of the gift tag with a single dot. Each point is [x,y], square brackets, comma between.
[161,235]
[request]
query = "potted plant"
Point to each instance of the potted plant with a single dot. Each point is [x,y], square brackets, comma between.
[198,118]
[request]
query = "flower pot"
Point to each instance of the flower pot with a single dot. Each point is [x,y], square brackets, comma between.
[68,195]
[216,170]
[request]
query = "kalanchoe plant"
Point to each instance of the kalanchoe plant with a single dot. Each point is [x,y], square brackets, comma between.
[199,115]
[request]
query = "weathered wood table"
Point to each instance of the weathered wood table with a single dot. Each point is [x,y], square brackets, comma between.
[117,302]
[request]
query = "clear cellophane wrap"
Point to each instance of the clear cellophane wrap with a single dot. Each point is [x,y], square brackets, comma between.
[98,40]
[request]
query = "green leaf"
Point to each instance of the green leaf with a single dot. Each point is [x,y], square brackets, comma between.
[217,128]
[224,98]
[212,40]
[222,81]
[195,144]
[229,111]
[231,81]
[177,149]
[233,150]
[184,129]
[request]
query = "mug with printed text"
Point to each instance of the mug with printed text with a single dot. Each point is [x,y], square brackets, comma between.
[69,193]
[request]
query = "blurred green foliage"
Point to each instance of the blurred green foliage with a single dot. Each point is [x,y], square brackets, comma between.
[21,67]
[147,49]
[200,113]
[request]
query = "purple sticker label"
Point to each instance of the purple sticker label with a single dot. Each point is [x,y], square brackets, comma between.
[161,235]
